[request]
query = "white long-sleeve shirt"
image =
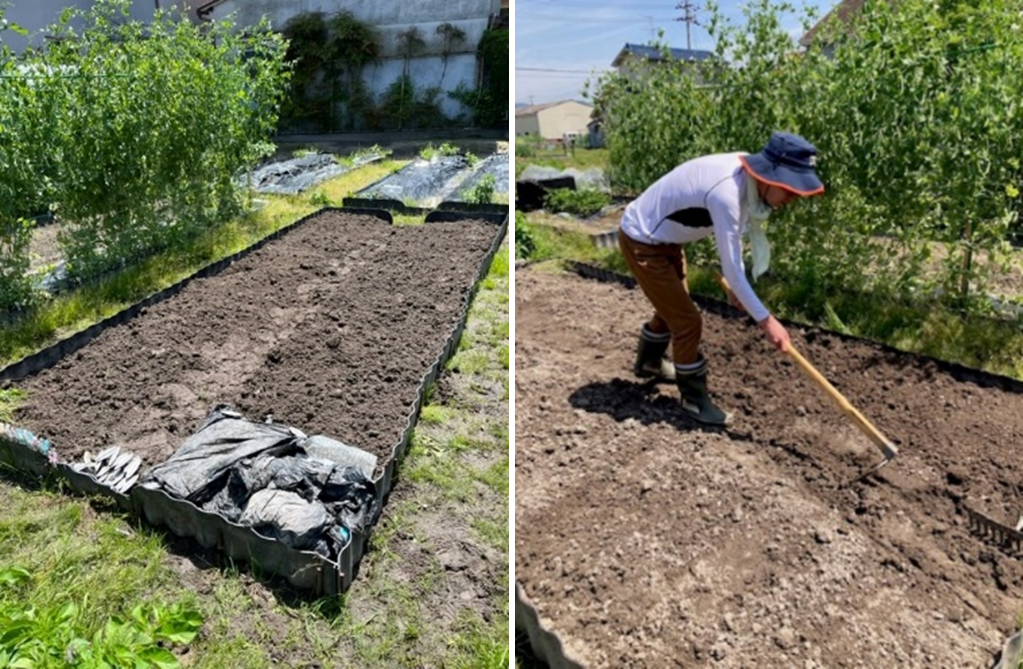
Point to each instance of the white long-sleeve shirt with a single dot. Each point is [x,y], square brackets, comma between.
[701,197]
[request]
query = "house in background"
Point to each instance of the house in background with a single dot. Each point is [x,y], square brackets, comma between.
[842,14]
[36,16]
[562,120]
[433,64]
[634,59]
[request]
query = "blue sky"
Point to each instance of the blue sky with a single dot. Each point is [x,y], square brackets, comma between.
[559,43]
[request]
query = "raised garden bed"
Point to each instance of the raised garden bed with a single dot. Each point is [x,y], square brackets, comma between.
[335,327]
[643,539]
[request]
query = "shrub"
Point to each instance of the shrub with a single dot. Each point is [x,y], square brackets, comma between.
[576,202]
[525,245]
[483,191]
[135,133]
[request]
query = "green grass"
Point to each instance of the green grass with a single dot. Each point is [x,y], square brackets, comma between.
[553,242]
[435,414]
[83,572]
[9,401]
[581,159]
[989,344]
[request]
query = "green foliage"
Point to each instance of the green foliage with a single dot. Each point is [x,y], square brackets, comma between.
[319,199]
[585,202]
[489,101]
[328,54]
[133,133]
[914,112]
[429,152]
[403,106]
[55,633]
[525,246]
[524,149]
[9,401]
[483,191]
[452,36]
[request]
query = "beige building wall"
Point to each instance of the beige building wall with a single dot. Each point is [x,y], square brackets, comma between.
[553,120]
[568,117]
[527,125]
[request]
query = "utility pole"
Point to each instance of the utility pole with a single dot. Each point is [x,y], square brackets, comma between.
[688,10]
[653,31]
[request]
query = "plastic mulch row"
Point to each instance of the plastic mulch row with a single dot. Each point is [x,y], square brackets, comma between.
[304,570]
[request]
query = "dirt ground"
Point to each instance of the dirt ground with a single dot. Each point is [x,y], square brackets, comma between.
[645,540]
[330,328]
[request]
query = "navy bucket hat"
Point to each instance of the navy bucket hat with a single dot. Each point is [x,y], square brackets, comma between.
[788,161]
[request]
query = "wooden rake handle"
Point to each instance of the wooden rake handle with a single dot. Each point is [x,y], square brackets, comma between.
[882,442]
[886,447]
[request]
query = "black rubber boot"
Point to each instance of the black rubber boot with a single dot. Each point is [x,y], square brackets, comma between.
[650,362]
[692,386]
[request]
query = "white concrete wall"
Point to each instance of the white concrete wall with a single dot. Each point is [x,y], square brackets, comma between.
[390,19]
[36,15]
[425,73]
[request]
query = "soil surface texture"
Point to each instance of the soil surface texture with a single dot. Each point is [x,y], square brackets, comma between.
[329,328]
[646,540]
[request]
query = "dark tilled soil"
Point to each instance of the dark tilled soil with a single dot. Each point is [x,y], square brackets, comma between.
[644,540]
[329,328]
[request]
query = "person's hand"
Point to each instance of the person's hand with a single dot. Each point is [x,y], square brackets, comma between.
[776,333]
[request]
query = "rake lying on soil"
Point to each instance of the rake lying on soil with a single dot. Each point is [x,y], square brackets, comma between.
[886,447]
[997,532]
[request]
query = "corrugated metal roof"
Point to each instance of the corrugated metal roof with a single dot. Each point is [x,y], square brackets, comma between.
[655,53]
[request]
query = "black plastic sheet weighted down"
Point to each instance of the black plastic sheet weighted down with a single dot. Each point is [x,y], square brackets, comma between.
[264,476]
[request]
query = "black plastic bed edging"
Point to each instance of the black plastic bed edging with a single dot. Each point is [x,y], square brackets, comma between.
[543,643]
[472,207]
[959,372]
[386,204]
[401,448]
[304,570]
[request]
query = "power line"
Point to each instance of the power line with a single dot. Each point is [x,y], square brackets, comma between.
[575,19]
[551,69]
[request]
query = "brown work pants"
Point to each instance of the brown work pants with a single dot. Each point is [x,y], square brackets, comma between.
[660,271]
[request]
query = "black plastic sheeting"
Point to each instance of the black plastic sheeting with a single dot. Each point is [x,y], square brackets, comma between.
[530,195]
[304,569]
[497,166]
[262,475]
[294,176]
[419,181]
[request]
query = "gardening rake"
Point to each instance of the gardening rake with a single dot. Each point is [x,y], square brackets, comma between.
[886,447]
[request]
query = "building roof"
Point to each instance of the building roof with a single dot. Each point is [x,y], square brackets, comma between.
[655,53]
[843,12]
[533,109]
